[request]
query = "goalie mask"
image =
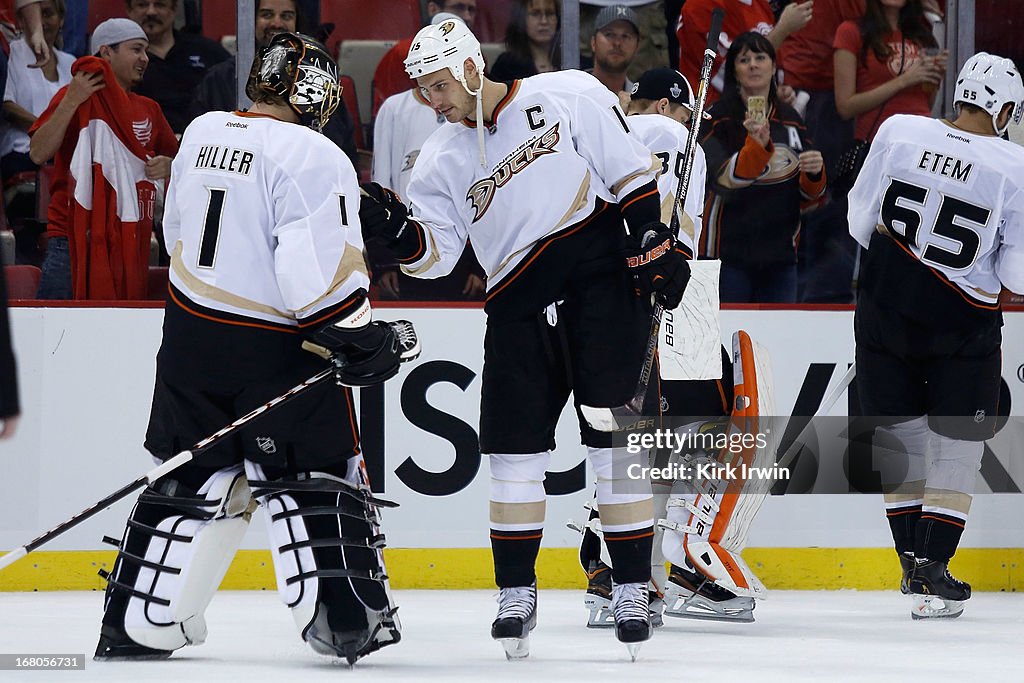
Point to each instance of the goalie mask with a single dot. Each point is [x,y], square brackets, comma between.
[991,82]
[299,70]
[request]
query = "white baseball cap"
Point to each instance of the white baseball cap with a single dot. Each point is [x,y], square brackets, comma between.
[114,31]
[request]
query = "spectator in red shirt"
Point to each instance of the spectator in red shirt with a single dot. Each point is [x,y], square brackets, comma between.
[740,16]
[122,43]
[882,67]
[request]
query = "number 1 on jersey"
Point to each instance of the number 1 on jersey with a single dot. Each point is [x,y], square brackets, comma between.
[211,227]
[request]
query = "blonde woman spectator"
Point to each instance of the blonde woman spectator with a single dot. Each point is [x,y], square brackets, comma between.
[29,89]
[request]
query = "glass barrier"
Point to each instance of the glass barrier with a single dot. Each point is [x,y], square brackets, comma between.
[813,259]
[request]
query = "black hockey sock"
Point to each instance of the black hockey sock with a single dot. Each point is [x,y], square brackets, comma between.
[515,557]
[937,536]
[630,552]
[903,524]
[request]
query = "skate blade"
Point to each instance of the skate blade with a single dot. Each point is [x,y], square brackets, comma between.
[739,610]
[601,615]
[515,648]
[634,650]
[934,607]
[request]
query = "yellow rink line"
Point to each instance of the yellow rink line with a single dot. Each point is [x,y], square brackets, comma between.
[986,569]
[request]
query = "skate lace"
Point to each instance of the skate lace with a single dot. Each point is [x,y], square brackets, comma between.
[629,601]
[408,342]
[516,602]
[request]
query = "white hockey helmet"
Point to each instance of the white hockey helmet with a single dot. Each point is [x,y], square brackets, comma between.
[991,82]
[446,45]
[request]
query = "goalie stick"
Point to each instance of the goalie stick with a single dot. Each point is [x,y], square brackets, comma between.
[628,415]
[180,459]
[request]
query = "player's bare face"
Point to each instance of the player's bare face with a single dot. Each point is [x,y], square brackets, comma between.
[273,17]
[128,61]
[447,96]
[754,71]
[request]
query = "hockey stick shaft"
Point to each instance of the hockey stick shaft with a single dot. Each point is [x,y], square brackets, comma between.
[164,468]
[826,405]
[622,417]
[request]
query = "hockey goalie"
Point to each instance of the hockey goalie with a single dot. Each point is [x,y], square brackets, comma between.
[707,511]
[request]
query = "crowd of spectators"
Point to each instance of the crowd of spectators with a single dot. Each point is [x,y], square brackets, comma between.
[829,71]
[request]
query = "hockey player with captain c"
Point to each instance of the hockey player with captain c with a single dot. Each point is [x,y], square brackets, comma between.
[266,254]
[530,171]
[939,208]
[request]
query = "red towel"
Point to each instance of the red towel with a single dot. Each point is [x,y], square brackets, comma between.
[109,234]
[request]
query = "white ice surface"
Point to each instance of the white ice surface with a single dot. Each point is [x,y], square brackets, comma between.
[798,636]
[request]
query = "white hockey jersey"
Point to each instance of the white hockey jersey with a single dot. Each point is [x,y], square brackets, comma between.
[553,152]
[952,199]
[262,219]
[666,138]
[403,124]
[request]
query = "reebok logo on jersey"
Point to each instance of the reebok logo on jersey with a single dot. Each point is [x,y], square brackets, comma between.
[482,193]
[232,124]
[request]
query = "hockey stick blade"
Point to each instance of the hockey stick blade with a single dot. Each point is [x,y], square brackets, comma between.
[826,405]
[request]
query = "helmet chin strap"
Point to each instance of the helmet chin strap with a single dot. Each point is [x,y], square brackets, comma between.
[480,123]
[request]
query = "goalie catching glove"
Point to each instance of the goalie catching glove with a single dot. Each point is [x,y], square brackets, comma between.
[657,266]
[386,219]
[364,352]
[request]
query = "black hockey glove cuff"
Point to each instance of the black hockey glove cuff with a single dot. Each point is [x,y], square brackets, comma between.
[386,219]
[658,268]
[364,352]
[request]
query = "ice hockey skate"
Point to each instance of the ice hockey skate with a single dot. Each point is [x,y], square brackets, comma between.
[116,645]
[517,616]
[691,595]
[598,599]
[937,593]
[632,615]
[907,564]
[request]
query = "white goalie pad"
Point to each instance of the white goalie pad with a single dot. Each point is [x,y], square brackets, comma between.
[689,342]
[708,516]
[327,547]
[185,559]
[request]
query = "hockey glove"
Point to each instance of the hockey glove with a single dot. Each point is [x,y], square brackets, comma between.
[365,353]
[658,268]
[386,219]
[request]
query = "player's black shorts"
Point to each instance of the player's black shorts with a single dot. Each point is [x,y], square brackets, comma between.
[210,373]
[905,369]
[595,350]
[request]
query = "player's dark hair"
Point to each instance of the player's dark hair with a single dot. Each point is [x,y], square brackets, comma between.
[757,43]
[518,43]
[874,27]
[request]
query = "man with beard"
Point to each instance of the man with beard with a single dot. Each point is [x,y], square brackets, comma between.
[218,90]
[615,41]
[177,61]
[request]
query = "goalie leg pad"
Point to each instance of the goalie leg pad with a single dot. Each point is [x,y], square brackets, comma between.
[175,551]
[327,546]
[710,531]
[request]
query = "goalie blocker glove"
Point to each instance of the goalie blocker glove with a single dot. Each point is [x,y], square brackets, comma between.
[657,265]
[365,352]
[386,219]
